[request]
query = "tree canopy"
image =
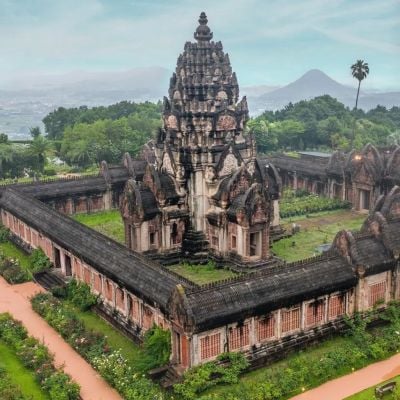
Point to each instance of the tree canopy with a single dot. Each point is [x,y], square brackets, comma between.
[324,123]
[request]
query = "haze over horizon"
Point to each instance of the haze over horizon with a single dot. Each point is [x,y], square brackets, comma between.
[268,43]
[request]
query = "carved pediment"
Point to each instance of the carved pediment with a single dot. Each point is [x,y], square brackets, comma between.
[226,123]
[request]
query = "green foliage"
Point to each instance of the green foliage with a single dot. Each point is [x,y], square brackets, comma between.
[11,270]
[302,203]
[360,347]
[80,295]
[226,369]
[8,391]
[35,356]
[157,349]
[4,234]
[325,123]
[202,274]
[93,346]
[57,121]
[39,261]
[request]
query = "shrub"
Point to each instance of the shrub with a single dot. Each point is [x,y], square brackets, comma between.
[157,346]
[12,271]
[202,377]
[39,261]
[60,387]
[4,234]
[80,295]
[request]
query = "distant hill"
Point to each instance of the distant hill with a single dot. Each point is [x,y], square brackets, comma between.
[316,83]
[25,102]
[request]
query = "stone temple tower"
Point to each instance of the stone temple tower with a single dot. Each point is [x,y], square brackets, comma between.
[207,183]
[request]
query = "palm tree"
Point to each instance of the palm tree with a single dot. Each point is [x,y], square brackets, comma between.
[359,70]
[38,147]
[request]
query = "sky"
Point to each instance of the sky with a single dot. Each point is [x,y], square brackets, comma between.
[270,42]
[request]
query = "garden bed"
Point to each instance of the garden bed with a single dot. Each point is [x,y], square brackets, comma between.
[121,369]
[295,203]
[34,356]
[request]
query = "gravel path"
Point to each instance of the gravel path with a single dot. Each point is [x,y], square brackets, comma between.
[15,300]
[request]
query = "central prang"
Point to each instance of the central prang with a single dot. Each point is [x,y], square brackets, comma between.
[207,192]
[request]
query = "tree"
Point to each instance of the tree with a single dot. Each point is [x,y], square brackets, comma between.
[38,148]
[6,155]
[35,131]
[359,70]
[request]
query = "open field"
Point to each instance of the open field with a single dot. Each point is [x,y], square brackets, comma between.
[202,274]
[108,223]
[315,230]
[19,375]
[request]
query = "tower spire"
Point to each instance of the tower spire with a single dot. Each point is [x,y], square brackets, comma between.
[203,32]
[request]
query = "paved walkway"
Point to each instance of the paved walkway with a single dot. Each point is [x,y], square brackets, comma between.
[15,300]
[347,385]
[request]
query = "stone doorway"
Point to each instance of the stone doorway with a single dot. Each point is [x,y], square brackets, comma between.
[255,244]
[364,196]
[68,266]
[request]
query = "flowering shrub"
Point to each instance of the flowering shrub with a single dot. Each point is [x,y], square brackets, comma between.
[80,295]
[132,386]
[8,391]
[36,357]
[93,346]
[11,270]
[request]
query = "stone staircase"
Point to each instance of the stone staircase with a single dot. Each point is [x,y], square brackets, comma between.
[195,244]
[50,279]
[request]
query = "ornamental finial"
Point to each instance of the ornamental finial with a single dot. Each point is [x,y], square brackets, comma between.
[203,32]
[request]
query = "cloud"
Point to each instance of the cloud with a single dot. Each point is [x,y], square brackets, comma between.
[63,35]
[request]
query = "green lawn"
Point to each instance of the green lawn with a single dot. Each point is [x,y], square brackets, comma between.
[369,394]
[130,350]
[108,223]
[10,250]
[19,375]
[302,245]
[202,274]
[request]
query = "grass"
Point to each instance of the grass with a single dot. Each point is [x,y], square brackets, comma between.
[130,350]
[202,274]
[303,244]
[19,375]
[369,394]
[109,223]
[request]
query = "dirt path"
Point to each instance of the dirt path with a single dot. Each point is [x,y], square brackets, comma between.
[348,385]
[15,300]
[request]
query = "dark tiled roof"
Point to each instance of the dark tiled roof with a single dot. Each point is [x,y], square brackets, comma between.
[131,270]
[315,167]
[370,251]
[53,189]
[286,285]
[168,186]
[149,203]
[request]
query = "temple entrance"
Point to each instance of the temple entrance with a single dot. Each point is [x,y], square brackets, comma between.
[364,199]
[255,244]
[68,267]
[57,258]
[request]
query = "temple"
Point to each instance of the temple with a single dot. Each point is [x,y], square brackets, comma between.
[200,191]
[358,177]
[206,191]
